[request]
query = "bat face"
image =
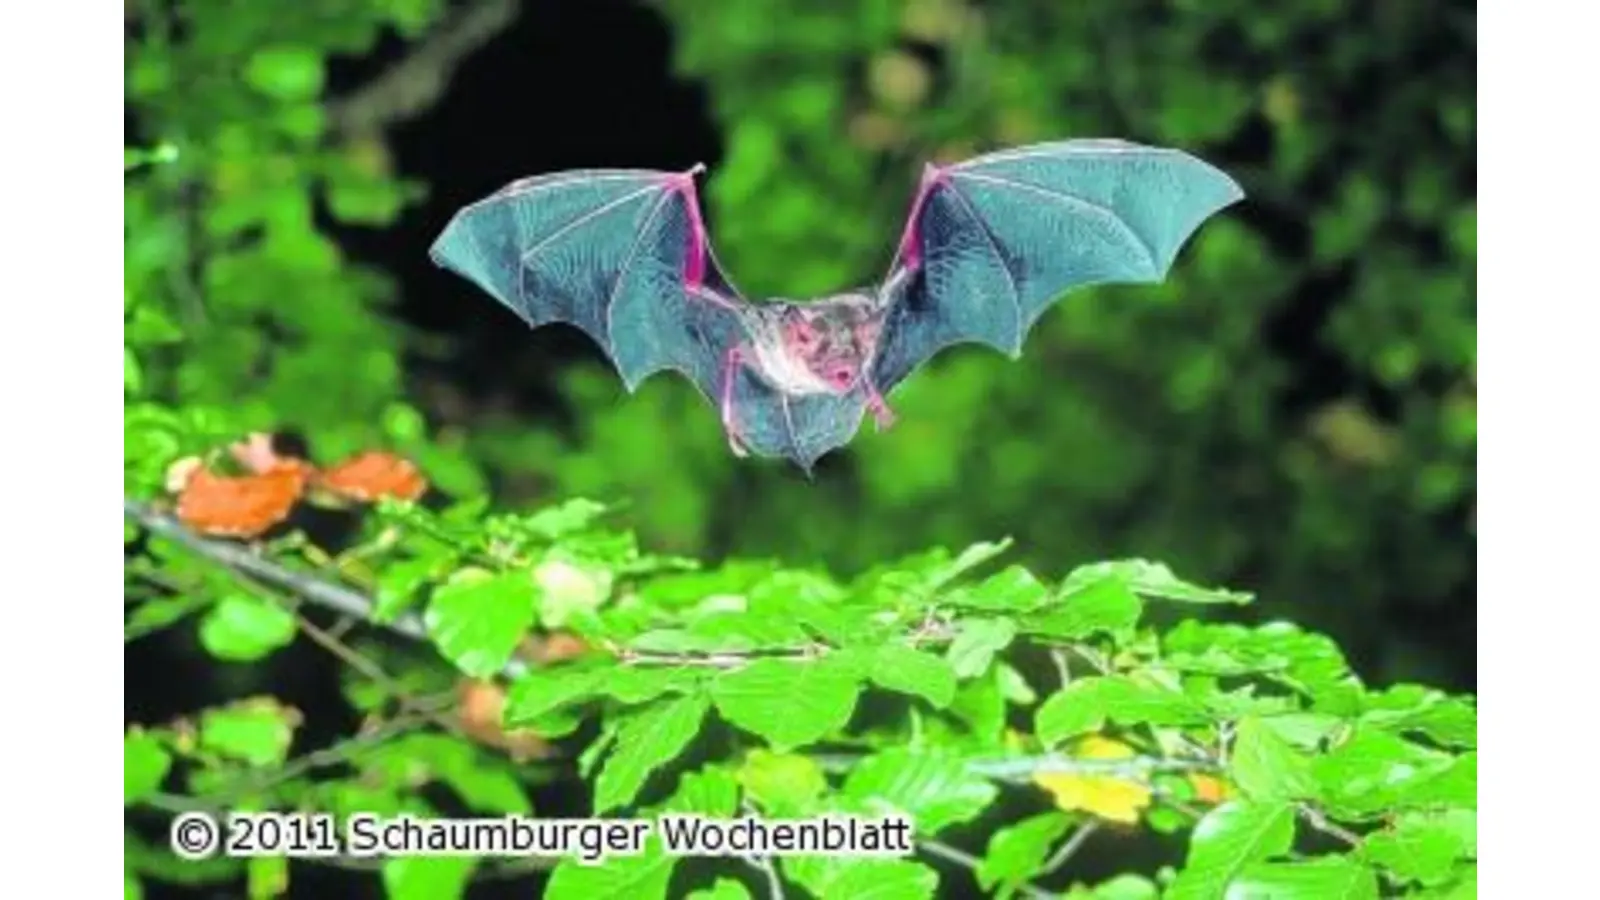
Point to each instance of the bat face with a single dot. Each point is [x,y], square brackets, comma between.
[832,339]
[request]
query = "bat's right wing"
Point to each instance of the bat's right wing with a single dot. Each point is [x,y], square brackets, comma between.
[993,241]
[620,253]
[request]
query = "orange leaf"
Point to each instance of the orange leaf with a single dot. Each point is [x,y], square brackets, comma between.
[1208,788]
[372,475]
[244,506]
[1107,796]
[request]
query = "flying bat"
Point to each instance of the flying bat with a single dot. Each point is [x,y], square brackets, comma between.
[988,246]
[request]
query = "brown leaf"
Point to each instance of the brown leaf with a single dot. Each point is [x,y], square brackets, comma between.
[242,506]
[372,475]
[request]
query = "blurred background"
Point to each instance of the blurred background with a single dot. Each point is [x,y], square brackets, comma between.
[1292,413]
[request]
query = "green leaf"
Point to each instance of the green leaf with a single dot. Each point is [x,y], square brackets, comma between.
[145,763]
[1013,589]
[789,703]
[257,731]
[132,374]
[399,583]
[1374,771]
[884,880]
[1266,767]
[266,877]
[976,644]
[427,877]
[131,888]
[1107,605]
[545,690]
[1227,840]
[711,791]
[638,684]
[1152,580]
[900,668]
[1017,852]
[932,787]
[286,73]
[482,782]
[782,784]
[1121,887]
[858,878]
[647,740]
[477,619]
[1087,704]
[241,628]
[564,519]
[722,889]
[1322,878]
[1413,709]
[1424,847]
[642,877]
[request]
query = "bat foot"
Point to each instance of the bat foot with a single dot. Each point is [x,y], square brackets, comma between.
[882,416]
[737,445]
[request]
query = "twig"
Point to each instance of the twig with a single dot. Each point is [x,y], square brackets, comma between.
[1319,821]
[1023,768]
[967,860]
[1065,852]
[307,587]
[414,84]
[236,557]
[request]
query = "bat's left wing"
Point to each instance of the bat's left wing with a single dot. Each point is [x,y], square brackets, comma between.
[993,242]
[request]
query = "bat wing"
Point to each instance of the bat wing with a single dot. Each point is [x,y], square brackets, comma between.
[993,242]
[621,254]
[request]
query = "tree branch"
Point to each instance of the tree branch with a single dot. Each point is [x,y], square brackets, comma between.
[967,860]
[415,83]
[240,559]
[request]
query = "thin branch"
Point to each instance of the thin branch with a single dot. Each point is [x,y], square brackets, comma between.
[967,860]
[1319,821]
[1024,768]
[240,559]
[307,587]
[415,83]
[1066,851]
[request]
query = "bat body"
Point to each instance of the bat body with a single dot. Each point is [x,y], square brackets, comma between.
[988,246]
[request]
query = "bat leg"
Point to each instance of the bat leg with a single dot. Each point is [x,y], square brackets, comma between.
[737,357]
[882,415]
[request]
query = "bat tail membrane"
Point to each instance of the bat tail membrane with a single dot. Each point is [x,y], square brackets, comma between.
[604,250]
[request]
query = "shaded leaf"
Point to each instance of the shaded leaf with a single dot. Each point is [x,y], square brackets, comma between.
[1017,852]
[645,741]
[976,644]
[782,784]
[1227,840]
[240,628]
[1087,704]
[1424,847]
[257,731]
[427,877]
[145,763]
[900,668]
[1266,767]
[1322,878]
[932,787]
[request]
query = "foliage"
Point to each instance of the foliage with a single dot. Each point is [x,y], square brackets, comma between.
[786,692]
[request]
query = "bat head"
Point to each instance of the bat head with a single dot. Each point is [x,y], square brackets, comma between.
[834,338]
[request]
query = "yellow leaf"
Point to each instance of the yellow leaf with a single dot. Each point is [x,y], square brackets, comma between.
[1109,797]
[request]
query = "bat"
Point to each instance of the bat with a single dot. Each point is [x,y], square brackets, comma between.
[988,246]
